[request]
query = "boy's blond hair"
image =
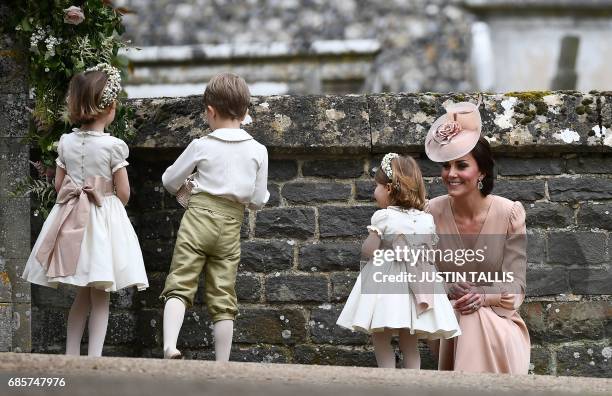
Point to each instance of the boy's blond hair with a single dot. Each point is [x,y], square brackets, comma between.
[229,95]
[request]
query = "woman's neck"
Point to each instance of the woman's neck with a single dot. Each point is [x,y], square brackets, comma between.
[469,205]
[96,125]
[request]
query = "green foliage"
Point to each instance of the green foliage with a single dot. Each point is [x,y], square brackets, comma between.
[41,190]
[57,51]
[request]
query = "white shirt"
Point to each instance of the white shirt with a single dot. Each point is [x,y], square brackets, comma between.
[230,164]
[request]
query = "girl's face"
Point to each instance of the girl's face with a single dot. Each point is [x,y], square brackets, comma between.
[382,195]
[461,175]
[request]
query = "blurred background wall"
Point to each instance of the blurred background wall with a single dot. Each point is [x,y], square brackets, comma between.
[358,46]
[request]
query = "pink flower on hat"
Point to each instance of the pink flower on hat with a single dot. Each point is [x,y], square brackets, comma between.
[446,132]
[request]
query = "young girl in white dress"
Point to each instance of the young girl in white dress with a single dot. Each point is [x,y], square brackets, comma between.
[381,305]
[88,240]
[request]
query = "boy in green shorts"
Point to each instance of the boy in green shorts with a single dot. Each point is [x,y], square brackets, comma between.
[231,175]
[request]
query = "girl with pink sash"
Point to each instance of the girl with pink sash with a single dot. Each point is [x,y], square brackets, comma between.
[88,241]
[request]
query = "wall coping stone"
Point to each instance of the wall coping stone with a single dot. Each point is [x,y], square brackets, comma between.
[523,122]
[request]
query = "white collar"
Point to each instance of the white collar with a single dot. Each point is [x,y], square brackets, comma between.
[230,134]
[93,133]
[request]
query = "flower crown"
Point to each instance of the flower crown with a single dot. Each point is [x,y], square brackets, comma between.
[385,164]
[112,86]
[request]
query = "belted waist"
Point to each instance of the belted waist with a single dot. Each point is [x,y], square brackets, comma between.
[217,204]
[59,251]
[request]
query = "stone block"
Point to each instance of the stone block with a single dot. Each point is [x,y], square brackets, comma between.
[341,284]
[329,257]
[62,297]
[334,355]
[302,288]
[149,327]
[19,287]
[596,215]
[266,256]
[270,325]
[541,360]
[197,329]
[14,118]
[13,65]
[14,165]
[121,328]
[6,327]
[274,199]
[14,235]
[282,170]
[323,328]
[576,248]
[589,359]
[311,193]
[149,298]
[49,330]
[519,190]
[147,196]
[549,215]
[338,169]
[22,327]
[337,221]
[593,281]
[248,287]
[591,164]
[157,253]
[547,281]
[163,225]
[536,246]
[428,167]
[435,188]
[508,166]
[245,229]
[296,223]
[293,124]
[261,354]
[579,189]
[364,190]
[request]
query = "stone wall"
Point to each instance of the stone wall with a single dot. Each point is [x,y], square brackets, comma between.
[14,155]
[424,45]
[300,253]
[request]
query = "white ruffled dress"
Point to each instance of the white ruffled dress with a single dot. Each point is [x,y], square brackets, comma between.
[373,312]
[110,258]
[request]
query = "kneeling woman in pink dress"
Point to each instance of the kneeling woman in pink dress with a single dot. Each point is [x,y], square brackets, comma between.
[490,287]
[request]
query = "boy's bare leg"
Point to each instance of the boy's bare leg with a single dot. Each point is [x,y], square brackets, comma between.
[174,313]
[223,333]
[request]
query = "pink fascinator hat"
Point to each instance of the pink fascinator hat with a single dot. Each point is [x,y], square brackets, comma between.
[455,133]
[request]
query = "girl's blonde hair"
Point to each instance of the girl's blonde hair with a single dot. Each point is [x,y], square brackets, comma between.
[407,186]
[84,96]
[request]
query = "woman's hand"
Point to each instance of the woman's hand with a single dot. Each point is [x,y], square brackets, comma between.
[459,289]
[470,302]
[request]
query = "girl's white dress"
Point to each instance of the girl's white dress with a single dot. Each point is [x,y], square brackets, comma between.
[110,257]
[393,306]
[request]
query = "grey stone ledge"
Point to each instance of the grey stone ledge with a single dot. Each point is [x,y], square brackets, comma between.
[530,122]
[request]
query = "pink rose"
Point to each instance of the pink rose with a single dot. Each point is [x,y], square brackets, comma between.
[446,132]
[73,15]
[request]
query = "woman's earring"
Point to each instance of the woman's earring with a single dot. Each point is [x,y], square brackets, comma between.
[479,185]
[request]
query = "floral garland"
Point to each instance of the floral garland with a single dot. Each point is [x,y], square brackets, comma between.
[112,86]
[63,38]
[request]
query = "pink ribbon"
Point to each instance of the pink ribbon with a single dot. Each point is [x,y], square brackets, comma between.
[59,251]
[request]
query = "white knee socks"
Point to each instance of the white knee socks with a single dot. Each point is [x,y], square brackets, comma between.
[223,333]
[174,313]
[98,321]
[385,357]
[76,321]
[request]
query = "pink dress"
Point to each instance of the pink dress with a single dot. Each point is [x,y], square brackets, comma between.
[494,338]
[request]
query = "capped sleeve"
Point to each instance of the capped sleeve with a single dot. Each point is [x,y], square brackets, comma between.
[119,154]
[377,224]
[506,297]
[60,161]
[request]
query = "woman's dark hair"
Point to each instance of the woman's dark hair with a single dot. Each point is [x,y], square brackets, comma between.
[484,158]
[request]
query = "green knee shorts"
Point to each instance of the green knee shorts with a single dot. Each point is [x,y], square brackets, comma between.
[208,240]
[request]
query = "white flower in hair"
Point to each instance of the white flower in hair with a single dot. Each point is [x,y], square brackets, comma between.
[113,85]
[385,164]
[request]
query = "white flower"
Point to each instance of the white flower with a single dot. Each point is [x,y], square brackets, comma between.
[113,85]
[46,69]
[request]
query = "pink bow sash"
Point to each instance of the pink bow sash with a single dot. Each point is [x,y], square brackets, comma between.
[423,292]
[59,251]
